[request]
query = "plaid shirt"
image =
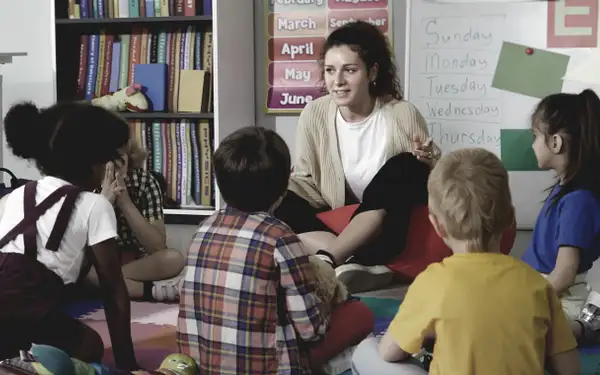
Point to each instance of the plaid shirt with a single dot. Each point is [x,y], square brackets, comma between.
[248,303]
[147,196]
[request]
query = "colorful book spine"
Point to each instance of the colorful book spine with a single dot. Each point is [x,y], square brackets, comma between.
[115,66]
[92,70]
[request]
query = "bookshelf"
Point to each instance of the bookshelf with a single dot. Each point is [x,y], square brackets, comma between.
[232,76]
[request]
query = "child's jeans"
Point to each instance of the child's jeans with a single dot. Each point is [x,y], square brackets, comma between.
[367,361]
[575,297]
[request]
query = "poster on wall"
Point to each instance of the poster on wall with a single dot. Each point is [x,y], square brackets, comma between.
[573,24]
[296,31]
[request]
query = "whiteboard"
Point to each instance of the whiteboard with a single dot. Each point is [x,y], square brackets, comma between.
[487,26]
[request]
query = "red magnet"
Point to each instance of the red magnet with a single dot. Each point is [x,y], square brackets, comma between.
[529,51]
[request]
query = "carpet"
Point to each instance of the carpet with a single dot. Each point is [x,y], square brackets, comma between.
[143,313]
[384,310]
[152,329]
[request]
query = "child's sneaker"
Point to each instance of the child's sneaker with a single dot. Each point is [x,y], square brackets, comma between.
[326,257]
[167,290]
[359,278]
[589,318]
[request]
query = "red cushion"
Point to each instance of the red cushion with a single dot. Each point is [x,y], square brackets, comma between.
[337,219]
[351,322]
[423,245]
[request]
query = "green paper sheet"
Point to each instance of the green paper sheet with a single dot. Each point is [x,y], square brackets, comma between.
[515,150]
[537,75]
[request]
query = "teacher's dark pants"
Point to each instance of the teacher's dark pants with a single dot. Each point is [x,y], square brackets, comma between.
[398,187]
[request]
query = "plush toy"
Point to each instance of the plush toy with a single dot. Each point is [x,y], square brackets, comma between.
[127,99]
[174,364]
[48,360]
[330,289]
[181,364]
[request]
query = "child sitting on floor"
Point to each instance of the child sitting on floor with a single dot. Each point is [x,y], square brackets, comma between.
[489,313]
[46,224]
[151,270]
[566,238]
[249,302]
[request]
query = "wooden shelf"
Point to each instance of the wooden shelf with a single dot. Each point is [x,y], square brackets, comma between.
[166,116]
[232,25]
[189,212]
[138,20]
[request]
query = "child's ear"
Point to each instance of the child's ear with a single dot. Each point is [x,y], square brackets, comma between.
[437,226]
[557,144]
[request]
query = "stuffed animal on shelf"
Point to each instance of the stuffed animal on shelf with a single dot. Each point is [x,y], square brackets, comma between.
[174,364]
[331,291]
[126,99]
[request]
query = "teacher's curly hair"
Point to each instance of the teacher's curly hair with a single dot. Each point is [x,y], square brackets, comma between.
[373,47]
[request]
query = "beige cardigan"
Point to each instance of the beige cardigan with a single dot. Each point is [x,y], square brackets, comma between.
[318,174]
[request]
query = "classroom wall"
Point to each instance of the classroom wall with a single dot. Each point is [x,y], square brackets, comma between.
[26,26]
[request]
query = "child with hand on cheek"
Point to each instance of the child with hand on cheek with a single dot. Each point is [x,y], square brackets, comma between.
[152,271]
[566,237]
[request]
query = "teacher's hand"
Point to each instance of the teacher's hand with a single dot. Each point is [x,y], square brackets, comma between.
[423,150]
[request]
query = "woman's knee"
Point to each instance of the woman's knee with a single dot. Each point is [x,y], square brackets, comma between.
[315,241]
[173,259]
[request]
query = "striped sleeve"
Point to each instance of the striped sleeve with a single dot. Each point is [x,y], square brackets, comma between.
[298,281]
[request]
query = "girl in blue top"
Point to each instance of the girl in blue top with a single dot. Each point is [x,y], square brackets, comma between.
[566,238]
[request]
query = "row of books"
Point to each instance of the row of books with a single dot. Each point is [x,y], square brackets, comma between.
[137,8]
[182,153]
[173,67]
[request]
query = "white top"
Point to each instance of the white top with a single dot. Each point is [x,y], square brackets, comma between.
[93,221]
[362,148]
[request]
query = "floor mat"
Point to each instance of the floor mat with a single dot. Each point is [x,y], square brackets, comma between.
[78,309]
[152,342]
[152,330]
[385,309]
[144,313]
[139,332]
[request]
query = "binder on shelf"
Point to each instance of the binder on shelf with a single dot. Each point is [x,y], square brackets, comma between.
[153,78]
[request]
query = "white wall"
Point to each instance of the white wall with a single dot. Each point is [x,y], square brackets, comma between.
[26,26]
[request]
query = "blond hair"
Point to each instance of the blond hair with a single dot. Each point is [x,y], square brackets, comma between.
[469,195]
[136,154]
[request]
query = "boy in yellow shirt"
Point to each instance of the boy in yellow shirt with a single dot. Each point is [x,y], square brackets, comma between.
[489,313]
